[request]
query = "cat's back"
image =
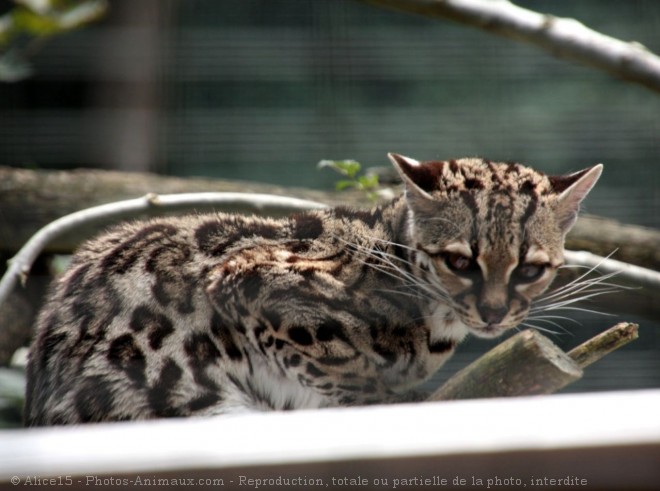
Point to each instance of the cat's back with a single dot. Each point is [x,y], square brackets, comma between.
[125,327]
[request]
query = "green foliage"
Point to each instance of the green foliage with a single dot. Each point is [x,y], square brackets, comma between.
[351,169]
[32,21]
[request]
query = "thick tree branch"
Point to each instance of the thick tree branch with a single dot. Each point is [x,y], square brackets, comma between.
[21,263]
[562,37]
[31,199]
[642,277]
[530,364]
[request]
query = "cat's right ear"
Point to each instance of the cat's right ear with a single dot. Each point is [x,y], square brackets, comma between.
[572,189]
[416,177]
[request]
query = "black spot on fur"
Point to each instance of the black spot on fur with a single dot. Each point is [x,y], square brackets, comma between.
[298,247]
[201,348]
[215,237]
[76,280]
[530,209]
[152,262]
[300,335]
[49,345]
[329,330]
[208,234]
[226,338]
[251,283]
[126,254]
[295,360]
[160,393]
[157,325]
[441,346]
[94,399]
[201,352]
[123,353]
[205,400]
[473,184]
[259,330]
[368,217]
[159,290]
[528,188]
[273,318]
[306,226]
[314,371]
[388,354]
[261,229]
[140,317]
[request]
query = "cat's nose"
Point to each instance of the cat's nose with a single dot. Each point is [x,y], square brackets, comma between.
[492,315]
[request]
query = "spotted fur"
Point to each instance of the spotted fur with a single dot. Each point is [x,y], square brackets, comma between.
[215,314]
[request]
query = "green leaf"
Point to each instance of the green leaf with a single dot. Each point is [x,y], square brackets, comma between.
[348,168]
[34,23]
[344,184]
[369,181]
[48,20]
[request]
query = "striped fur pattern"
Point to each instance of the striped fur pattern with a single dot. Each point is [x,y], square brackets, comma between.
[217,314]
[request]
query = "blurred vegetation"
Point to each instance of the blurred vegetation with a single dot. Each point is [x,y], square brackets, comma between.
[350,169]
[26,26]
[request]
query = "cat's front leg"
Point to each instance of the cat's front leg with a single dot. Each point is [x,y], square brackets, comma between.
[312,342]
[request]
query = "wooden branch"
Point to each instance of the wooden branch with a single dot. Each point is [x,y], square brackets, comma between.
[595,348]
[82,221]
[562,37]
[19,265]
[530,364]
[30,200]
[630,243]
[525,364]
[642,277]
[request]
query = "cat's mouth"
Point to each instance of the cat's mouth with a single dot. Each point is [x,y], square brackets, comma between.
[489,330]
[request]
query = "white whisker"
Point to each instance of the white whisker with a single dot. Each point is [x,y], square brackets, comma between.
[392,266]
[558,317]
[552,323]
[539,328]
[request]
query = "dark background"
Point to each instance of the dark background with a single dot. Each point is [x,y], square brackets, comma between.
[262,90]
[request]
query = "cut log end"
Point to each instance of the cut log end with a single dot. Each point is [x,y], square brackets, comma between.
[530,364]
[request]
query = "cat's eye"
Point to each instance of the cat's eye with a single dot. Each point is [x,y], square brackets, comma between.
[526,273]
[459,263]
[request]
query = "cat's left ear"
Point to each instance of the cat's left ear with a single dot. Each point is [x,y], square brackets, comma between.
[419,181]
[572,189]
[418,178]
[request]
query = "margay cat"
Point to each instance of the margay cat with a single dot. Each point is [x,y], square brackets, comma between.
[215,314]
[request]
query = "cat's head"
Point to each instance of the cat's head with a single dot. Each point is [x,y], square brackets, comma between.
[492,233]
